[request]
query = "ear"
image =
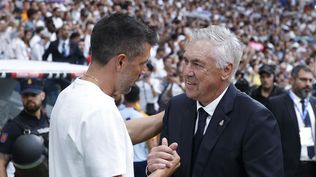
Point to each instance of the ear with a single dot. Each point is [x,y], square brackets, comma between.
[43,95]
[227,71]
[291,80]
[120,61]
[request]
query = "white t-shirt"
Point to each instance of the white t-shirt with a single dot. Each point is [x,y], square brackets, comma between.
[140,149]
[88,136]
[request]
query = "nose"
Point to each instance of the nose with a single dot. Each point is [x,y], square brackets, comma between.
[309,83]
[187,70]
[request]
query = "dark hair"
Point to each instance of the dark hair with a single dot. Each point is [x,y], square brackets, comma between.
[298,68]
[74,35]
[120,33]
[133,95]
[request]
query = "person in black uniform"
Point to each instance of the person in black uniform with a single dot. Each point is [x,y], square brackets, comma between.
[267,88]
[31,120]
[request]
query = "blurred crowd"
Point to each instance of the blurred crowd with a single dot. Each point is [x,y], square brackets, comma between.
[281,33]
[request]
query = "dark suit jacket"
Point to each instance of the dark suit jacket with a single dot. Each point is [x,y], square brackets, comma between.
[284,111]
[75,55]
[246,145]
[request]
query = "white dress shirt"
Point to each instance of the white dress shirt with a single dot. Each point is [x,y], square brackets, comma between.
[210,108]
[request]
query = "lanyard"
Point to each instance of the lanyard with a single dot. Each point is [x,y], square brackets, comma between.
[302,113]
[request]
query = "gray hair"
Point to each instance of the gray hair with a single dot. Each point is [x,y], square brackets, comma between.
[228,47]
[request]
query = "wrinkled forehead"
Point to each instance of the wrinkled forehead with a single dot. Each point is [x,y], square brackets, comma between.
[200,48]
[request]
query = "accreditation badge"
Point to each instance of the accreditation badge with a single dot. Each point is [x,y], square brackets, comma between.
[306,136]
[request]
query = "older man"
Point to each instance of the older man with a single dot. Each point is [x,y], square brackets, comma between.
[221,132]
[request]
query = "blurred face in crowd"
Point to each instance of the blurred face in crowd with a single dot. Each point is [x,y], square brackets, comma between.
[32,102]
[64,32]
[203,79]
[302,84]
[266,80]
[133,68]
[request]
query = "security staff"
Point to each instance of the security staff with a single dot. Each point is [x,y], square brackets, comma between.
[31,120]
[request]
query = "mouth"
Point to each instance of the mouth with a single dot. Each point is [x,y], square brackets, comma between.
[190,84]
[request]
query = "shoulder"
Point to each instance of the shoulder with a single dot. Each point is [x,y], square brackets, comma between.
[278,90]
[255,91]
[181,99]
[243,100]
[11,126]
[279,98]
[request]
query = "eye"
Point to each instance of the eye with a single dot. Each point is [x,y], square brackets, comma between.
[196,64]
[186,61]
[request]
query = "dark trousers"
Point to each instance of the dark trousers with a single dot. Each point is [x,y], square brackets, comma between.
[139,169]
[306,169]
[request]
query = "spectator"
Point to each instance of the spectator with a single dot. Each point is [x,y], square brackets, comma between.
[64,50]
[295,113]
[31,120]
[141,150]
[267,88]
[149,91]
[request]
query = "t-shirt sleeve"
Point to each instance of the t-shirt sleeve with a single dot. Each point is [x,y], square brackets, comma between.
[9,134]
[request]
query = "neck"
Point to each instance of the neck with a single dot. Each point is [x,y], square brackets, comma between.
[215,95]
[101,77]
[265,92]
[36,114]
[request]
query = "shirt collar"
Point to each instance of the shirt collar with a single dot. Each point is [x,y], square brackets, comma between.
[64,41]
[295,98]
[210,108]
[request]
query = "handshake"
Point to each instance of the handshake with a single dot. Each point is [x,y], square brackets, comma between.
[163,160]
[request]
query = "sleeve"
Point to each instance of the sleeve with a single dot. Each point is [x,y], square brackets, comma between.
[262,150]
[156,85]
[104,144]
[9,134]
[36,52]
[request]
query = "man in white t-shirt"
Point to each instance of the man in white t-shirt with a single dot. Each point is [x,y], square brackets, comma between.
[88,136]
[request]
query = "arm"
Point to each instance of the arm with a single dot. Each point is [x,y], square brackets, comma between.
[152,142]
[142,129]
[4,160]
[262,150]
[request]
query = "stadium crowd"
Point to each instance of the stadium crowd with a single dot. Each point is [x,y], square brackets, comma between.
[275,32]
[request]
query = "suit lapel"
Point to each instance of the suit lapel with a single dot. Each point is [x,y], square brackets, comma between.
[313,103]
[187,132]
[217,125]
[291,111]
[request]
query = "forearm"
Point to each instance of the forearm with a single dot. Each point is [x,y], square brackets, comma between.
[4,159]
[142,129]
[3,171]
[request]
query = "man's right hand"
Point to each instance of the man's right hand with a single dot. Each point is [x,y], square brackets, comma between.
[163,156]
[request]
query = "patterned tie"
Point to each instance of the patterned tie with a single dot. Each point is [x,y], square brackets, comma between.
[307,122]
[199,133]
